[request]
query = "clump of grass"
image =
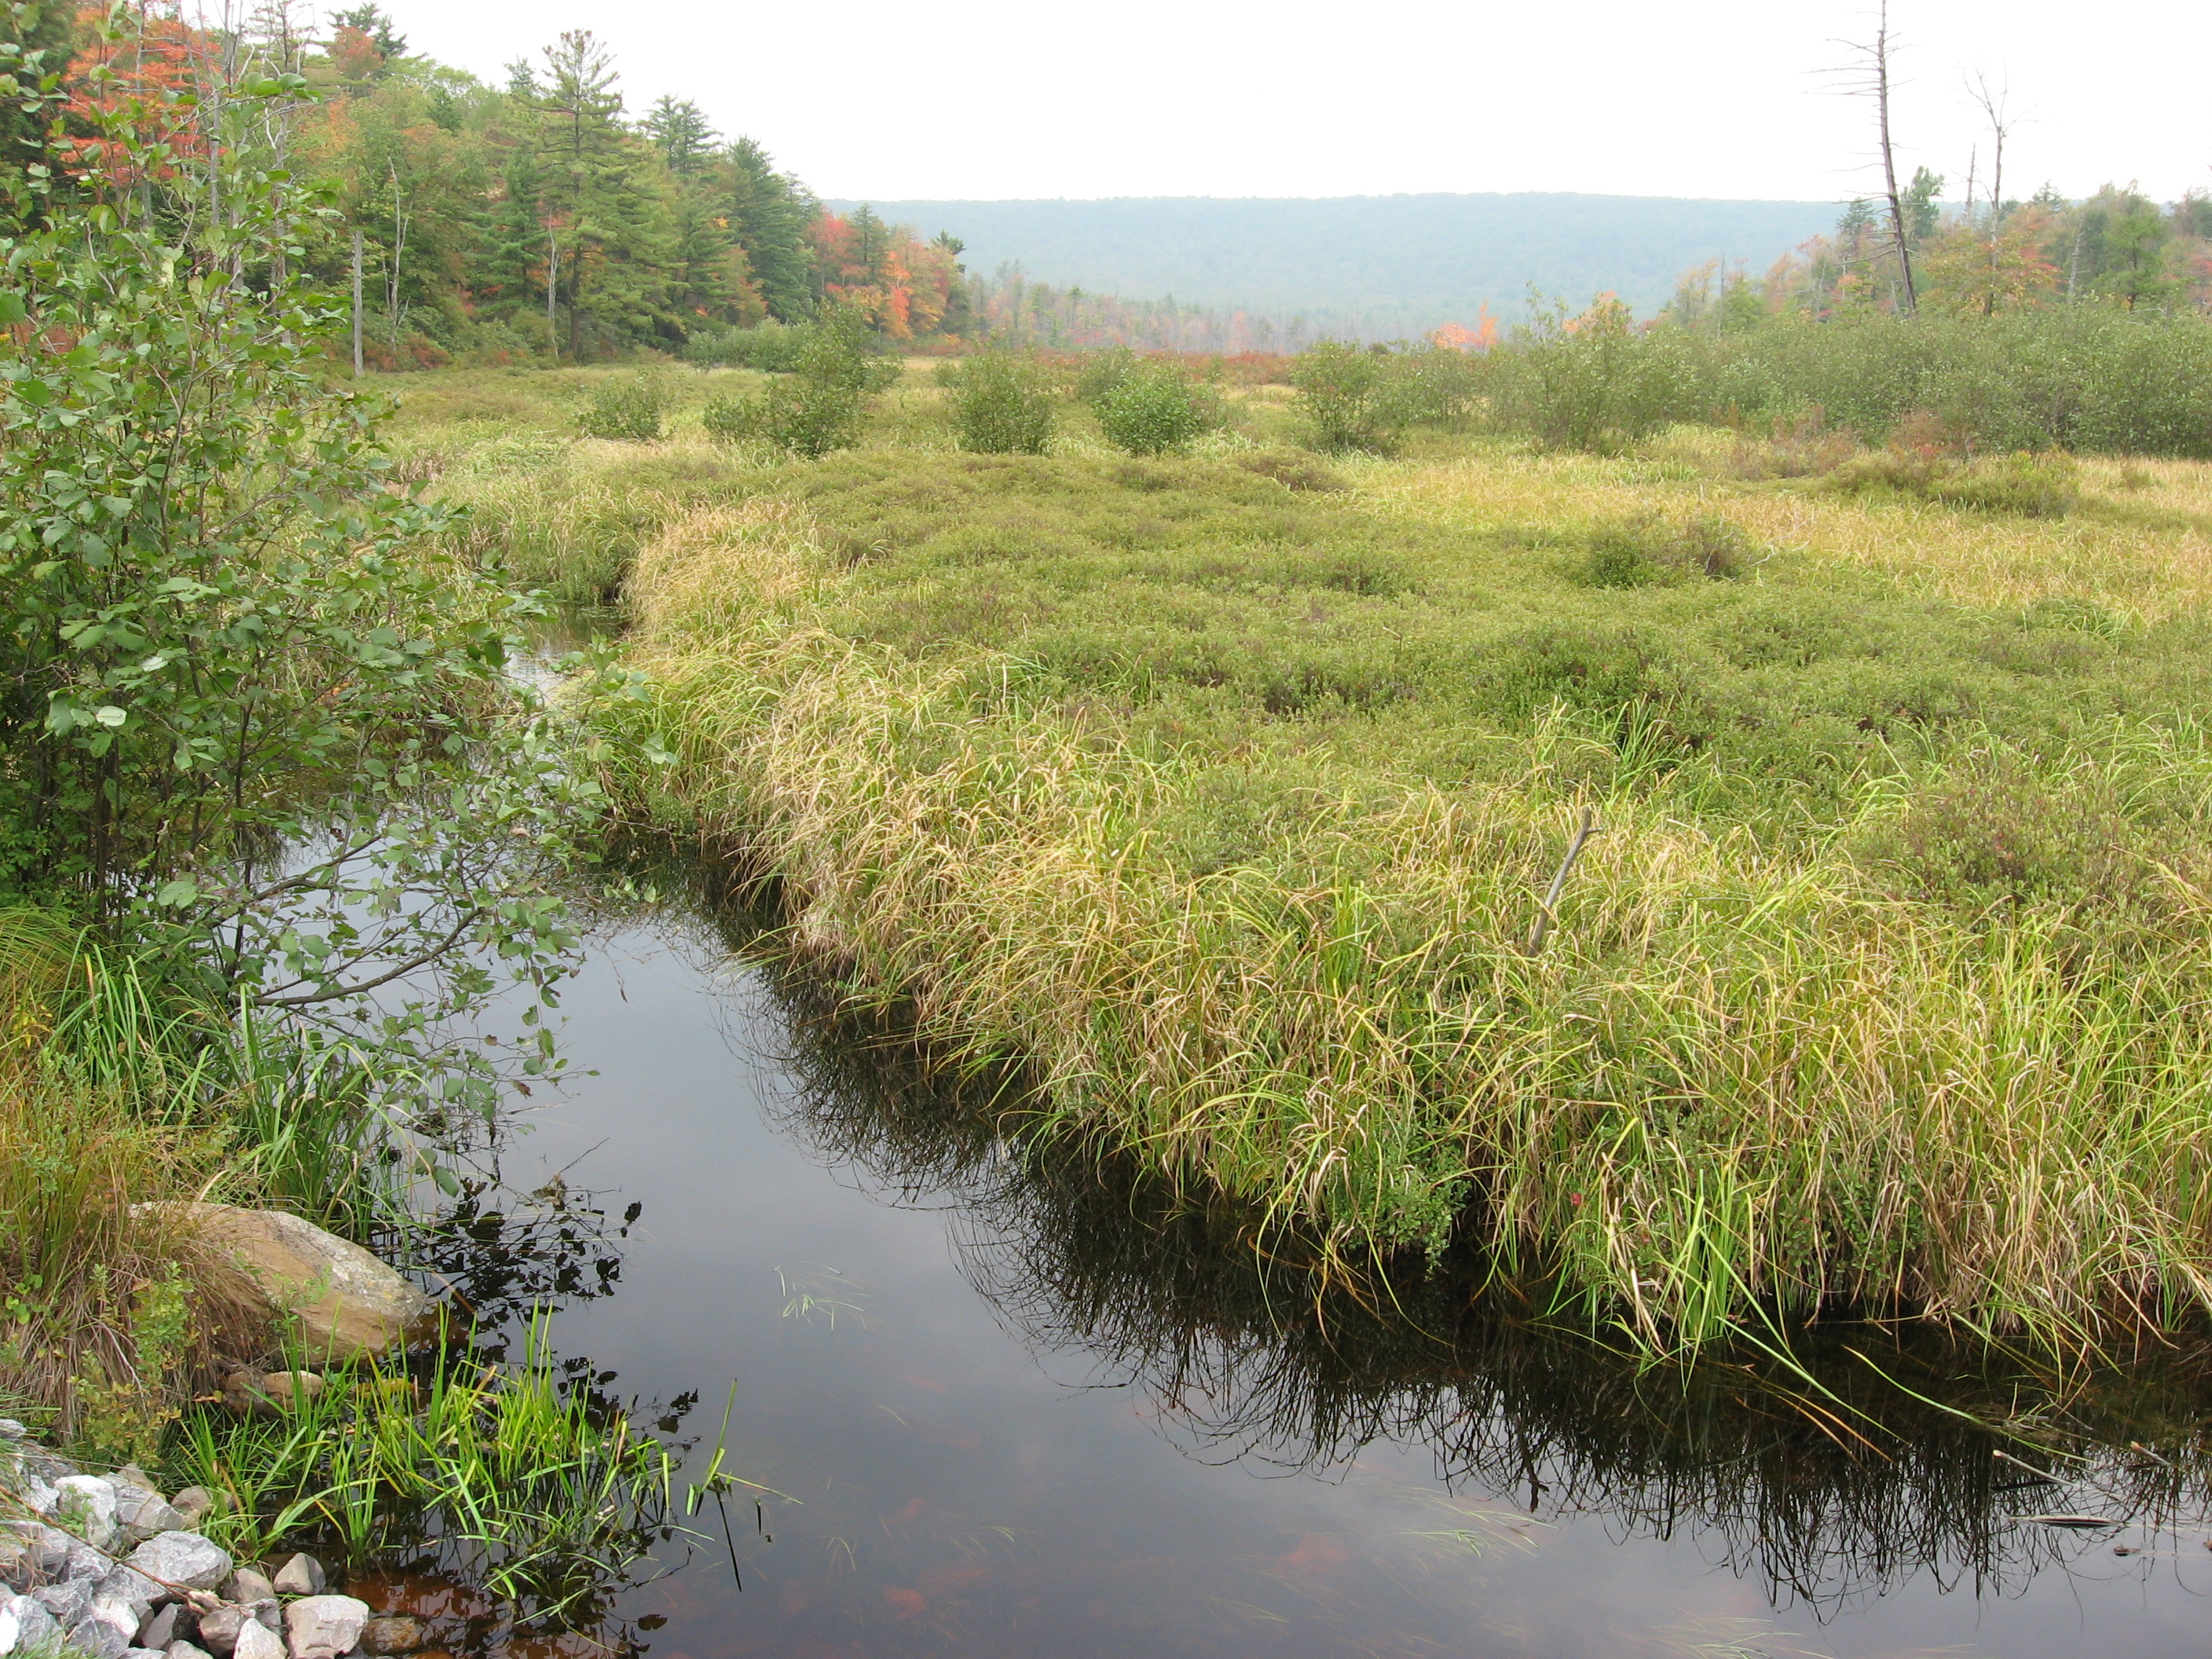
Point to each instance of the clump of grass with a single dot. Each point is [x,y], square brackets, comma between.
[517,1480]
[1639,552]
[1228,808]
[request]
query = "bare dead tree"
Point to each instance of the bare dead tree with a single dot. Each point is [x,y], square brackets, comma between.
[1869,75]
[1995,110]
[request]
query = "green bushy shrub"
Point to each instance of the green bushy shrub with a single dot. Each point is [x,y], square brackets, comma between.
[1345,392]
[1645,552]
[1153,409]
[817,407]
[1002,404]
[2045,486]
[627,409]
[773,348]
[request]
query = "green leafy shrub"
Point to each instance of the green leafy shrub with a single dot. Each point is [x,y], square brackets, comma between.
[1002,404]
[1153,409]
[772,348]
[1592,382]
[629,408]
[1345,392]
[2032,486]
[818,407]
[1642,552]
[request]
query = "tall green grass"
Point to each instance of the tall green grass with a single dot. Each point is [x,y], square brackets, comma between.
[1228,809]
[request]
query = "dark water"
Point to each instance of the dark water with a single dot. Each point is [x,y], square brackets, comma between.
[996,1407]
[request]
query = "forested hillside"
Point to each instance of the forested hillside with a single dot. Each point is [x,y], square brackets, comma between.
[540,219]
[1381,267]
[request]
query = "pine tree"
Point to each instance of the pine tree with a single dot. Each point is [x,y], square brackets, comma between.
[770,211]
[679,128]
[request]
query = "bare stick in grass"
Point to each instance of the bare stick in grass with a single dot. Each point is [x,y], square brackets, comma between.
[1542,930]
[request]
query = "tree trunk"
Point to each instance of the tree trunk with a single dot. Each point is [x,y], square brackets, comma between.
[356,306]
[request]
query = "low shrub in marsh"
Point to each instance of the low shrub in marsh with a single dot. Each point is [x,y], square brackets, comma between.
[1639,552]
[1002,404]
[818,407]
[2029,486]
[1346,397]
[1155,409]
[626,409]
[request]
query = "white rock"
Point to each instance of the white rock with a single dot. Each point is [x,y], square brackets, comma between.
[103,1633]
[320,1626]
[11,1621]
[187,1651]
[182,1558]
[85,1505]
[11,1430]
[257,1641]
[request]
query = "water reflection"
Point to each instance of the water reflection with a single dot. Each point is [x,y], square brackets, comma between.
[1867,1459]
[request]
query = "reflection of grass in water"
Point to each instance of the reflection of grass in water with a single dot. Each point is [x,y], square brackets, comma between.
[1730,1638]
[1850,1462]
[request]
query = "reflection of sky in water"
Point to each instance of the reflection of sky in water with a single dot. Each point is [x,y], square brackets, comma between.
[949,1486]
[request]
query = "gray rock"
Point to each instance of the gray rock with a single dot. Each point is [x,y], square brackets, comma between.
[128,1586]
[257,1641]
[68,1602]
[301,1576]
[173,1623]
[322,1626]
[11,1430]
[25,1624]
[397,1633]
[187,1651]
[270,1613]
[250,1585]
[86,1562]
[85,1505]
[32,1553]
[219,1629]
[39,1495]
[182,1558]
[195,1504]
[102,1637]
[143,1653]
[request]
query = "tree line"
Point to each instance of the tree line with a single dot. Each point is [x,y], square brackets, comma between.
[532,220]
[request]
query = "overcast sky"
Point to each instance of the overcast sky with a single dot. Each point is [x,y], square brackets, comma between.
[995,99]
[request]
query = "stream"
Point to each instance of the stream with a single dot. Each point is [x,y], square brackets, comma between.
[987,1406]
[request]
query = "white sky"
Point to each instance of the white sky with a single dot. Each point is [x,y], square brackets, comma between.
[990,98]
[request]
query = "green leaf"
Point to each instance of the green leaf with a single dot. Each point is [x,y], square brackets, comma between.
[177,894]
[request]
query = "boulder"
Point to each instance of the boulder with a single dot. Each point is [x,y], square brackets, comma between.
[31,1554]
[340,1301]
[321,1626]
[251,1585]
[257,1641]
[195,1504]
[301,1576]
[182,1559]
[187,1651]
[143,1653]
[395,1633]
[105,1632]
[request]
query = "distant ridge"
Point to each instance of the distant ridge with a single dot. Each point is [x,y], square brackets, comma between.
[1377,266]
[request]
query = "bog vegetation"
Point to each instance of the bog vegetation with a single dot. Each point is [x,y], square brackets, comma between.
[1712,811]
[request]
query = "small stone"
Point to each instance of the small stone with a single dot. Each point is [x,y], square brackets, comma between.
[396,1633]
[85,1562]
[195,1504]
[11,1430]
[257,1641]
[321,1626]
[32,1553]
[250,1585]
[164,1626]
[219,1629]
[183,1559]
[143,1653]
[187,1651]
[301,1576]
[270,1615]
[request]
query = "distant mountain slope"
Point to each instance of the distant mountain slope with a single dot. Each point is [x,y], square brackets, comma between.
[1381,265]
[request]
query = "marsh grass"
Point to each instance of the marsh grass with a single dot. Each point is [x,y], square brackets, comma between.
[127,1085]
[518,1480]
[1227,807]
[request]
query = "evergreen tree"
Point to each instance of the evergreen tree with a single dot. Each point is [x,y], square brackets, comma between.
[770,211]
[678,128]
